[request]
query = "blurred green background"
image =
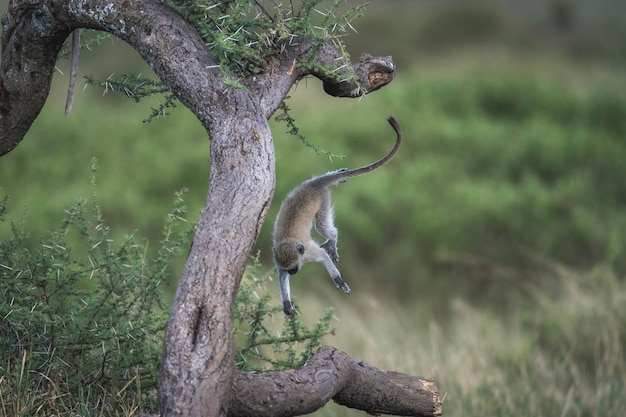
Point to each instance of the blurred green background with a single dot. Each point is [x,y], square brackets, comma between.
[488,255]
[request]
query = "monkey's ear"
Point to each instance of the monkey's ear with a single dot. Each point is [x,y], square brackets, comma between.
[300,249]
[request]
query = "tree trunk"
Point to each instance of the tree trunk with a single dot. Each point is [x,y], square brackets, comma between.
[197,368]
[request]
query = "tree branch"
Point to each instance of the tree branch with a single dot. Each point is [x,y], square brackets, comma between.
[31,41]
[371,73]
[340,78]
[332,374]
[34,32]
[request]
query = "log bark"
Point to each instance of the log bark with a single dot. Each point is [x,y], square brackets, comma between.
[197,369]
[332,374]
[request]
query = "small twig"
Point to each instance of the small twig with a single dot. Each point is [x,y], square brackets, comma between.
[264,11]
[73,71]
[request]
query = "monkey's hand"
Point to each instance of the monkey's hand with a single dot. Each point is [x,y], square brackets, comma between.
[288,308]
[341,284]
[330,246]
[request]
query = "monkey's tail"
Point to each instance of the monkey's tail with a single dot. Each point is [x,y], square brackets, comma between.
[341,175]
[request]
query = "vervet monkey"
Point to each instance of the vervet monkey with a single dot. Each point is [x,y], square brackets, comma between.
[310,201]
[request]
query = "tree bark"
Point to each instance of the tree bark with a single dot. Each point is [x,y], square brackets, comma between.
[197,368]
[197,364]
[31,41]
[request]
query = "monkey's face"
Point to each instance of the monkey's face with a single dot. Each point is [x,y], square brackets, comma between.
[288,256]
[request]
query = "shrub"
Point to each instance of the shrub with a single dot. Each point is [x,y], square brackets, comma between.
[83,322]
[259,344]
[83,317]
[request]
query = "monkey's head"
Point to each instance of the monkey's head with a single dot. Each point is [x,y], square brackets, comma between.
[288,255]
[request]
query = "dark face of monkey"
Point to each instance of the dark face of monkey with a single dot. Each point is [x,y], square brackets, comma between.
[288,256]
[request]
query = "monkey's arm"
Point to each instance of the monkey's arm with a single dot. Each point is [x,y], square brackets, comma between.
[313,254]
[285,294]
[322,256]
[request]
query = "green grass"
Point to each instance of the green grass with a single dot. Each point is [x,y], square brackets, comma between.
[562,355]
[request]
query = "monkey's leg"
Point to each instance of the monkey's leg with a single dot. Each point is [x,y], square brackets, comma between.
[285,296]
[324,224]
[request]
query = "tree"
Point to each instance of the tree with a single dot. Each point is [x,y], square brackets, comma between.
[233,99]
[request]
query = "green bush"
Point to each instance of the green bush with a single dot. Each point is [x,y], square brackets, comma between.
[83,317]
[259,344]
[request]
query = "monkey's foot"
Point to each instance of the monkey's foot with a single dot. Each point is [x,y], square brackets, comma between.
[331,249]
